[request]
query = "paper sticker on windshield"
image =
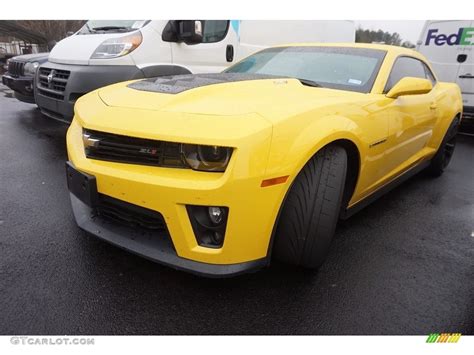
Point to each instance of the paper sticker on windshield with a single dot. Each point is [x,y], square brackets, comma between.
[354,81]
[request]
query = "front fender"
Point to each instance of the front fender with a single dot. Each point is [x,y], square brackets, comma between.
[289,155]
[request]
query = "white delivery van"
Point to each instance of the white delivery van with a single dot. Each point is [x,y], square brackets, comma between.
[106,52]
[449,46]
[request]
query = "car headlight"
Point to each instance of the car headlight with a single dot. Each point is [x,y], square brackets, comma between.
[30,68]
[117,47]
[206,157]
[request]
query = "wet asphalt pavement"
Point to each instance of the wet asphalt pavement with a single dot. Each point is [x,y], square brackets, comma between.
[404,265]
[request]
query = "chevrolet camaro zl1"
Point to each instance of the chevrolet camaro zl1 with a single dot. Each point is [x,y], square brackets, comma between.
[218,173]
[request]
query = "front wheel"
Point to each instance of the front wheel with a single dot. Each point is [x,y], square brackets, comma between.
[445,151]
[311,210]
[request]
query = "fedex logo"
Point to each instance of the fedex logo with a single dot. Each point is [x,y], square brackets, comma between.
[464,37]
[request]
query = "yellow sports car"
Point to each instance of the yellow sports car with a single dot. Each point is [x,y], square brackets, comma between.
[218,173]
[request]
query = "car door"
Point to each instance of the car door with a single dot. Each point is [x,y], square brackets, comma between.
[411,117]
[214,54]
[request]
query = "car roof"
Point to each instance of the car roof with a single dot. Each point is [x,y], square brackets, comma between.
[396,50]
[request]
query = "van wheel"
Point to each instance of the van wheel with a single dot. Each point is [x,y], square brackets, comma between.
[311,210]
[445,151]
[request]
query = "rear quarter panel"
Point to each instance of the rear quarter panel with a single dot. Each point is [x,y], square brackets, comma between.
[449,104]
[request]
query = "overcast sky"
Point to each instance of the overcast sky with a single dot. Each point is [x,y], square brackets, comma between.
[408,30]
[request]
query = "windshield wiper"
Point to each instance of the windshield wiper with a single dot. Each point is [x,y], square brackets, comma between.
[110,28]
[311,83]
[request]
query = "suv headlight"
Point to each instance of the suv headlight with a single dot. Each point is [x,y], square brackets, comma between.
[30,68]
[206,157]
[117,47]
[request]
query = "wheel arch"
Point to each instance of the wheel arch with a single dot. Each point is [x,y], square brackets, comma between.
[353,169]
[352,177]
[349,141]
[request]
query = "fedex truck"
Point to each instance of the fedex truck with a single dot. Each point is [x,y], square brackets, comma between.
[449,46]
[106,52]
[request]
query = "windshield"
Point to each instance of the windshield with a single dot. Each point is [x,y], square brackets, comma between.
[112,26]
[344,68]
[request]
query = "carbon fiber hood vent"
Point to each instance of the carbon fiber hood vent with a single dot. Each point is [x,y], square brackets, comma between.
[179,83]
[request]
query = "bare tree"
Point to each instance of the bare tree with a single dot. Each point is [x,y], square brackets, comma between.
[370,36]
[51,30]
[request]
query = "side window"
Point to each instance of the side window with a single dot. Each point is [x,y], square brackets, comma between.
[403,67]
[214,30]
[429,74]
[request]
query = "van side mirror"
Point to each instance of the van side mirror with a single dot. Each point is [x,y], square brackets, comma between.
[410,86]
[187,31]
[190,32]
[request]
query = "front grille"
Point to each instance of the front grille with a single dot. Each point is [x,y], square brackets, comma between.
[111,209]
[50,94]
[52,82]
[15,68]
[124,149]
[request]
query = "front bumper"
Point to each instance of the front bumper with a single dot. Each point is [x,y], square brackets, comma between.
[157,248]
[82,79]
[22,87]
[252,209]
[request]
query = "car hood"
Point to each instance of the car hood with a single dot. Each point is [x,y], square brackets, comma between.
[37,57]
[224,95]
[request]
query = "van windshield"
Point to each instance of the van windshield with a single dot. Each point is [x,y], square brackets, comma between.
[111,26]
[344,68]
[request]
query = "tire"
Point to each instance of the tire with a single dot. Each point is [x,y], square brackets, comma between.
[311,210]
[445,151]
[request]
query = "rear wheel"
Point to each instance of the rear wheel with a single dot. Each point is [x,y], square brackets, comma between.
[311,210]
[445,151]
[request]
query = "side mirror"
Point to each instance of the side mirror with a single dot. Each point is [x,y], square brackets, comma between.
[410,86]
[170,32]
[187,31]
[190,32]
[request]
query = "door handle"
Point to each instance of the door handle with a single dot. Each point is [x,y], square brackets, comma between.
[433,106]
[229,53]
[466,76]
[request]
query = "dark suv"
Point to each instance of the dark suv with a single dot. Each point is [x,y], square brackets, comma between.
[21,73]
